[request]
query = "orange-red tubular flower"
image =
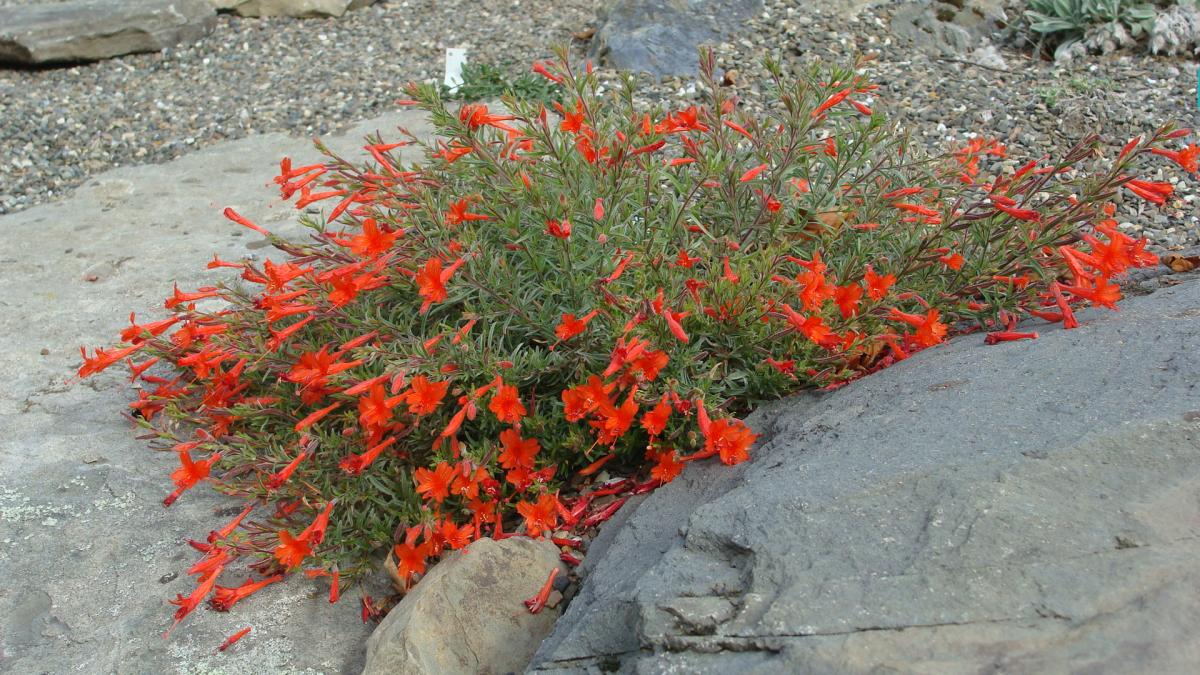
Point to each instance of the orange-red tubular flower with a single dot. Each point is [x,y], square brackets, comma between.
[1153,192]
[232,639]
[1007,336]
[738,128]
[315,533]
[1100,293]
[191,602]
[730,440]
[189,474]
[240,220]
[930,330]
[753,173]
[354,464]
[228,596]
[672,319]
[103,358]
[217,535]
[291,550]
[506,405]
[540,516]
[831,101]
[570,326]
[1187,158]
[560,229]
[277,479]
[538,602]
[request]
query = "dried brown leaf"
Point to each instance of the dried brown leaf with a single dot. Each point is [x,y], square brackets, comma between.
[389,566]
[833,219]
[1179,263]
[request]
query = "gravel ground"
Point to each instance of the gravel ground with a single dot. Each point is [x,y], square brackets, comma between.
[306,76]
[314,76]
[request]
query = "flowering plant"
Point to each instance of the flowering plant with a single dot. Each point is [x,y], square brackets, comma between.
[470,344]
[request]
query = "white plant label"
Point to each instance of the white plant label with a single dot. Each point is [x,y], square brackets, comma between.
[455,58]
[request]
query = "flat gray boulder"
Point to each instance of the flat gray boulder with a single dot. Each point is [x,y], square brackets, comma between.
[1025,507]
[88,554]
[89,30]
[661,37]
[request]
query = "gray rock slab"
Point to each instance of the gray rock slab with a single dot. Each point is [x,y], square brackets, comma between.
[1024,507]
[467,615]
[88,554]
[89,30]
[661,37]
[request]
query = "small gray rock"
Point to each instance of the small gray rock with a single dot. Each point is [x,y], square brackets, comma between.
[989,57]
[467,615]
[90,30]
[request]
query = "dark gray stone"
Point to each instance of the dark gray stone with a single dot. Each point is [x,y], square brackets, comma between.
[661,37]
[89,30]
[1025,507]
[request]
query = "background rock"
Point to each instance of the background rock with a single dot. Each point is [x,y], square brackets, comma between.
[949,28]
[661,37]
[294,8]
[88,30]
[467,615]
[1026,507]
[88,554]
[1176,30]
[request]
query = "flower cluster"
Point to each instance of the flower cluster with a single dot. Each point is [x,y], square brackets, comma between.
[555,309]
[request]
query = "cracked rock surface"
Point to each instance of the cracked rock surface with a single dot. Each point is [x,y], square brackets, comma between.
[88,554]
[1025,507]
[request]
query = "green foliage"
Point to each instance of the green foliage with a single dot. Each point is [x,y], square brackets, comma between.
[1076,86]
[1063,22]
[486,82]
[1073,17]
